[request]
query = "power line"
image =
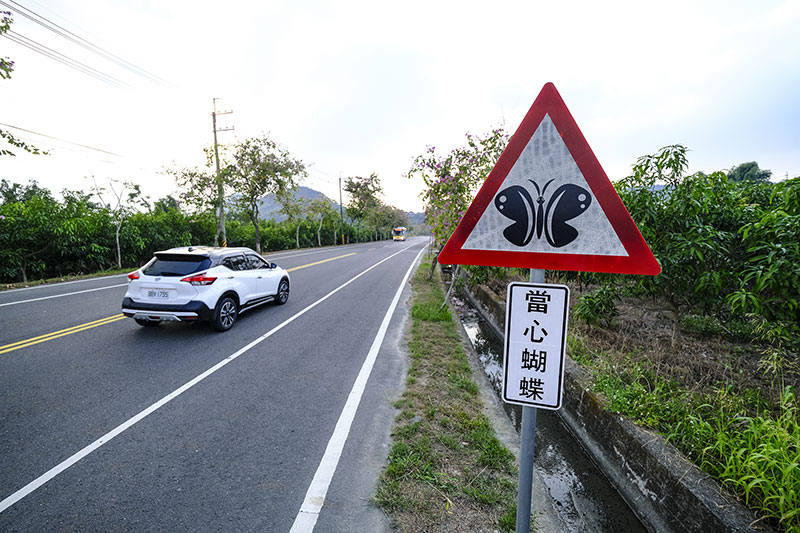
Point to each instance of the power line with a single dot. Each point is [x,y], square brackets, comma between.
[61,140]
[63,59]
[313,166]
[80,41]
[315,175]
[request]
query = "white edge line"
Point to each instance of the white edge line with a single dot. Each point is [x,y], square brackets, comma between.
[307,517]
[65,294]
[56,470]
[59,283]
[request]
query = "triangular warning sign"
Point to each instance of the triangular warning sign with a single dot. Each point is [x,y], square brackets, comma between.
[548,204]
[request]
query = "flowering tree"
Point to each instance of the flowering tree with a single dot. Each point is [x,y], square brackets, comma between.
[454,179]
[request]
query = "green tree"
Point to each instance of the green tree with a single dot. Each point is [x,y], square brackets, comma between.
[320,211]
[201,191]
[294,207]
[363,193]
[727,248]
[84,236]
[14,192]
[166,204]
[382,218]
[120,205]
[259,166]
[768,274]
[27,231]
[749,172]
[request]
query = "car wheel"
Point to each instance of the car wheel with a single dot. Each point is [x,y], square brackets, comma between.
[146,323]
[283,292]
[225,314]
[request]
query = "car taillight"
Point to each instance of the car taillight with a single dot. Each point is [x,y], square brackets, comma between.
[199,279]
[133,275]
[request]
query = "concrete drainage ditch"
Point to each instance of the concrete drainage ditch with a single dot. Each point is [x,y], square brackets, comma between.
[661,488]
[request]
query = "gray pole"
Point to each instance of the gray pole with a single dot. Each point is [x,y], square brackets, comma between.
[220,190]
[220,198]
[341,212]
[528,437]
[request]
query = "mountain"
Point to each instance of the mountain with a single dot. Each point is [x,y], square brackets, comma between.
[416,219]
[269,208]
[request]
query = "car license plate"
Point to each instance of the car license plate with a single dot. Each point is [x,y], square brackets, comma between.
[158,294]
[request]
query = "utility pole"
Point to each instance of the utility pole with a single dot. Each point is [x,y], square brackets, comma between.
[220,188]
[341,212]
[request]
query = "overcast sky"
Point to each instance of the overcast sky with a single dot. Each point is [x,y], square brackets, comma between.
[354,87]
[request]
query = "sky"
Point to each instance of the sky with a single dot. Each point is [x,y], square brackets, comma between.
[356,87]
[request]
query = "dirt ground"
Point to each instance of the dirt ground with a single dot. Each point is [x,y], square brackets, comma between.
[644,328]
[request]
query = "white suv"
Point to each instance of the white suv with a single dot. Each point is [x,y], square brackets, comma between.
[203,283]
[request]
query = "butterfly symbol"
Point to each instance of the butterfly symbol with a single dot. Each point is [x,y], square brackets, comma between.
[566,203]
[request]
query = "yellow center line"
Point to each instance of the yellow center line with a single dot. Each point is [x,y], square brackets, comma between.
[61,333]
[319,262]
[108,320]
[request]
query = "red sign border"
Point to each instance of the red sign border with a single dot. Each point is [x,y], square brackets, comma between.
[640,259]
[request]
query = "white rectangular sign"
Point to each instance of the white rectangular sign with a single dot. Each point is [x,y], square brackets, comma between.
[536,336]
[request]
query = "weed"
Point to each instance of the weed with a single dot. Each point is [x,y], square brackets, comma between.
[703,325]
[731,434]
[578,351]
[431,312]
[446,469]
[597,306]
[464,383]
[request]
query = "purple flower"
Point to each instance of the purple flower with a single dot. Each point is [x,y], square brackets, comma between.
[2,217]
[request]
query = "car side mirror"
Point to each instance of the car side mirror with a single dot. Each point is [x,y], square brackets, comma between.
[273,265]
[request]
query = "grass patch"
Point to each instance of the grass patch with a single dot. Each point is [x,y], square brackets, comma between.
[446,470]
[431,312]
[750,445]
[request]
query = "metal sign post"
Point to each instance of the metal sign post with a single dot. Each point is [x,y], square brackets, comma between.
[528,444]
[533,366]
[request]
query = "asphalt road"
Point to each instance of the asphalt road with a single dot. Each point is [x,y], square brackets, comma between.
[108,426]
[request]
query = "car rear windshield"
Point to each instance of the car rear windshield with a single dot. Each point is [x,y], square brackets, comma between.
[176,265]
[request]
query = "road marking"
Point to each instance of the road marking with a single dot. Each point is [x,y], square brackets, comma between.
[65,294]
[70,461]
[61,333]
[319,262]
[58,283]
[307,517]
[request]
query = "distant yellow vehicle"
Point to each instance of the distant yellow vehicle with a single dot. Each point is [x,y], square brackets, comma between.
[399,233]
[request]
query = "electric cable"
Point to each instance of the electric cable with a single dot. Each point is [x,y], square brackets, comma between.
[80,41]
[59,139]
[63,59]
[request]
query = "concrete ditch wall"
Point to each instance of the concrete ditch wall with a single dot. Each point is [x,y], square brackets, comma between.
[667,492]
